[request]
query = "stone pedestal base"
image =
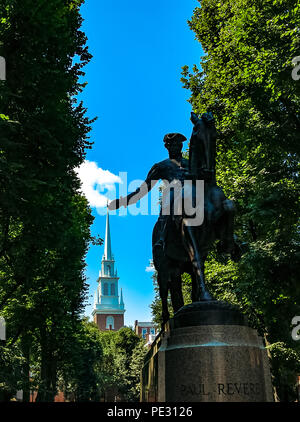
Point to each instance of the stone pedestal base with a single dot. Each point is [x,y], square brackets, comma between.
[207,362]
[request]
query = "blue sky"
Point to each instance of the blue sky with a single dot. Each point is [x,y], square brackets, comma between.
[134,88]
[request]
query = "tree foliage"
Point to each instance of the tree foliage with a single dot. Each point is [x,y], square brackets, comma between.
[80,369]
[44,219]
[123,356]
[101,365]
[245,79]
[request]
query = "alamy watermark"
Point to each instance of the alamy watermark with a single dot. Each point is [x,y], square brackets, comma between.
[2,329]
[296,329]
[176,198]
[2,69]
[296,70]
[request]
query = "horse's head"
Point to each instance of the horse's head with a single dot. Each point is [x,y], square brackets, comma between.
[194,118]
[206,121]
[202,144]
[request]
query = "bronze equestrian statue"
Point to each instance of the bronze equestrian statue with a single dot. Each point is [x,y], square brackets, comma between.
[177,245]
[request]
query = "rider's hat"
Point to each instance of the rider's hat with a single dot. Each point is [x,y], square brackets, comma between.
[171,137]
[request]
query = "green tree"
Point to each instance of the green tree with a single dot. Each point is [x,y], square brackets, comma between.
[44,219]
[11,364]
[80,367]
[127,342]
[117,377]
[135,368]
[245,80]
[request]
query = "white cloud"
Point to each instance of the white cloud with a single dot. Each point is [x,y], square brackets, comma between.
[95,180]
[150,268]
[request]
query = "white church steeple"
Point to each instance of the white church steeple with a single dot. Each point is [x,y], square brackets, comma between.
[108,309]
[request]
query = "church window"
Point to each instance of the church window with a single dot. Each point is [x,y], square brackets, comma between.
[110,323]
[108,270]
[105,289]
[113,290]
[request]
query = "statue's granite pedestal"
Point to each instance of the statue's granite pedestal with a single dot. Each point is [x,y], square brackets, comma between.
[207,353]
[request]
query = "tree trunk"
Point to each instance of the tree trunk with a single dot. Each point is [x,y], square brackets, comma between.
[47,388]
[26,344]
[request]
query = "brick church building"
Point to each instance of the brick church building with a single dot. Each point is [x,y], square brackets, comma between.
[109,309]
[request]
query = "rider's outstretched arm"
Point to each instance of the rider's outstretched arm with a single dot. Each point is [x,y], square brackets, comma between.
[151,180]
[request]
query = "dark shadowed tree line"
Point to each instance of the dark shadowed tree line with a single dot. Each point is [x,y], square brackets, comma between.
[44,218]
[245,79]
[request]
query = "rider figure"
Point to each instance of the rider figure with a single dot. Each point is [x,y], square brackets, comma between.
[177,169]
[174,169]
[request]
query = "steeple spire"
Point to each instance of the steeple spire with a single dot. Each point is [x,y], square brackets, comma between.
[121,300]
[108,309]
[107,246]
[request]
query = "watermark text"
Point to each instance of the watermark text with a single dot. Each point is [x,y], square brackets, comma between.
[296,329]
[2,69]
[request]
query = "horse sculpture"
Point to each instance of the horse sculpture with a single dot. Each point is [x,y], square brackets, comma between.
[186,247]
[178,246]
